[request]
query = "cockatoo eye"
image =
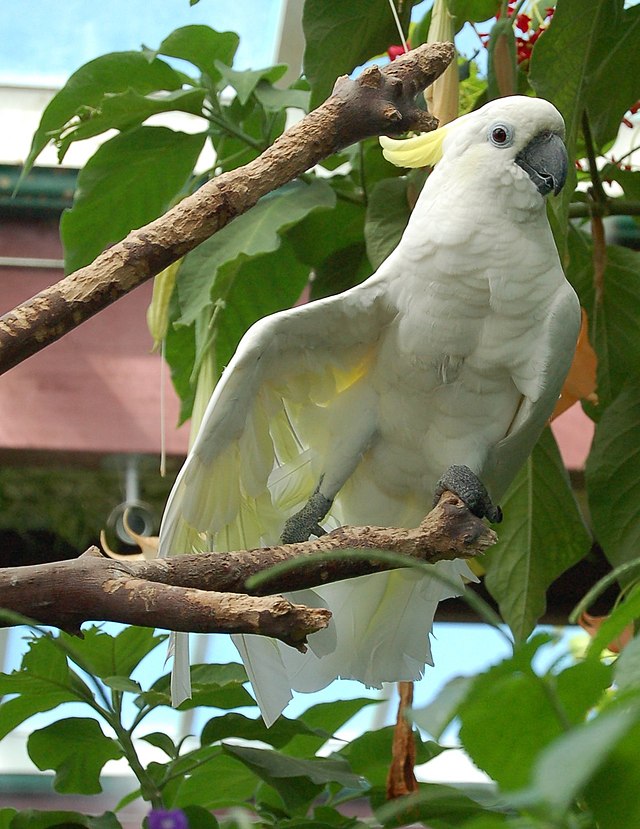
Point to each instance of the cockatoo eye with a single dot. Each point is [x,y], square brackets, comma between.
[501,135]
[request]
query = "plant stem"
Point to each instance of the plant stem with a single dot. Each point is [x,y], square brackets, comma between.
[599,196]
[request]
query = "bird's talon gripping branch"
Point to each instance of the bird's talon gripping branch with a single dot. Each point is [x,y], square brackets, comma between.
[469,488]
[306,522]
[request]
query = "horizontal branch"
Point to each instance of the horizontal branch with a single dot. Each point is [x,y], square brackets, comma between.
[610,207]
[207,593]
[377,102]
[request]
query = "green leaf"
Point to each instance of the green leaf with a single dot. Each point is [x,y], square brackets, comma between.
[614,791]
[221,783]
[612,322]
[162,741]
[522,735]
[125,110]
[387,216]
[436,716]
[567,765]
[475,11]
[199,818]
[275,100]
[244,728]
[203,47]
[34,819]
[218,686]
[261,286]
[341,36]
[6,816]
[113,73]
[542,535]
[588,61]
[245,82]
[76,749]
[43,682]
[581,687]
[440,807]
[114,655]
[622,616]
[613,478]
[627,666]
[516,740]
[123,684]
[255,232]
[370,754]
[325,232]
[297,781]
[323,721]
[141,172]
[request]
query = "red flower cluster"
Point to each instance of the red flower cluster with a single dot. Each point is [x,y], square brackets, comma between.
[526,35]
[525,41]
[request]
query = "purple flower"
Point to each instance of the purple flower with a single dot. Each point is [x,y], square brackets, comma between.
[167,819]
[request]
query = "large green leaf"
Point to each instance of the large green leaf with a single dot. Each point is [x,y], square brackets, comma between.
[261,286]
[387,216]
[76,749]
[567,765]
[43,682]
[114,655]
[613,322]
[588,59]
[613,477]
[108,74]
[542,535]
[129,181]
[341,36]
[613,793]
[517,738]
[220,783]
[203,47]
[256,232]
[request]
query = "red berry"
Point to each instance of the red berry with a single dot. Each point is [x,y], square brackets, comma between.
[395,52]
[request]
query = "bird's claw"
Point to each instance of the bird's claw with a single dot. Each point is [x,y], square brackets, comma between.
[305,522]
[469,488]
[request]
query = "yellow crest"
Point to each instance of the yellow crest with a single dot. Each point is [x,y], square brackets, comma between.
[422,150]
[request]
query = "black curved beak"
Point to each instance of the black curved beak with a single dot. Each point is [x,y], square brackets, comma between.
[545,161]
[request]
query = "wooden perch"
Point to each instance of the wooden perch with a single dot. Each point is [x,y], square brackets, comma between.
[377,102]
[206,592]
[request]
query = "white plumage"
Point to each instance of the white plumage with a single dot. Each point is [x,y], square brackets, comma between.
[453,352]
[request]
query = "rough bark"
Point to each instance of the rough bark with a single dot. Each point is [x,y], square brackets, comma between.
[207,592]
[377,102]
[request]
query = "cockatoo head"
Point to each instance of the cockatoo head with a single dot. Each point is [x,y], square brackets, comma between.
[516,137]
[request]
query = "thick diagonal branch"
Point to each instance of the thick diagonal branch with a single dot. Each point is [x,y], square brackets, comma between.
[377,102]
[206,592]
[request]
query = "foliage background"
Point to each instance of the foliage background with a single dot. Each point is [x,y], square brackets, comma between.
[560,746]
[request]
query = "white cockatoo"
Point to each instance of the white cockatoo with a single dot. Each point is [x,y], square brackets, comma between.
[350,409]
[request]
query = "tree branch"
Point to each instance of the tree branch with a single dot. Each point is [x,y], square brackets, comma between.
[377,102]
[207,593]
